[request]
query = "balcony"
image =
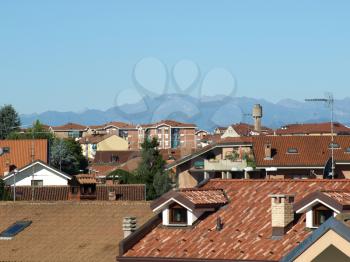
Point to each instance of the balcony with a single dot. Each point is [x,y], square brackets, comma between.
[224,165]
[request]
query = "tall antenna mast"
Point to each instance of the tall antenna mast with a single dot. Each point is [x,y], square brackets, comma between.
[329,100]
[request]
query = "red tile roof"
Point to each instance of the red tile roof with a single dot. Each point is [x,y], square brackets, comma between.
[69,127]
[312,151]
[20,153]
[102,169]
[244,129]
[171,123]
[340,196]
[204,196]
[246,232]
[86,179]
[120,125]
[312,128]
[94,139]
[122,156]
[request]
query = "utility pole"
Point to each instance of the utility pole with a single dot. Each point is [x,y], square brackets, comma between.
[329,100]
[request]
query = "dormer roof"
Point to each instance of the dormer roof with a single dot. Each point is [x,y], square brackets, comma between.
[336,200]
[192,198]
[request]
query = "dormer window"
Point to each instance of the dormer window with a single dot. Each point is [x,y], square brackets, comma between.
[322,205]
[320,214]
[185,207]
[177,214]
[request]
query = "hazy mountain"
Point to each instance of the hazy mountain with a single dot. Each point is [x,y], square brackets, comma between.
[206,113]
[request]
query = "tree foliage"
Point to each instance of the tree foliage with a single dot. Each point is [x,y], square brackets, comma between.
[124,177]
[37,132]
[151,170]
[66,155]
[4,193]
[9,121]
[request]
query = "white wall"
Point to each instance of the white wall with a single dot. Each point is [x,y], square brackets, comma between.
[191,216]
[49,177]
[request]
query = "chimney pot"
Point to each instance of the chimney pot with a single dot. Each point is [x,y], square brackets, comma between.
[129,225]
[268,151]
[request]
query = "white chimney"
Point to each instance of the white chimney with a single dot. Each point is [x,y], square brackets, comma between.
[129,225]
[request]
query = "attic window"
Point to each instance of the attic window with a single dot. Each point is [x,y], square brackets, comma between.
[321,214]
[177,215]
[292,150]
[14,229]
[334,145]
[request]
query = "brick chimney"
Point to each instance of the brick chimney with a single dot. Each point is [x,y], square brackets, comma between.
[268,151]
[282,213]
[129,225]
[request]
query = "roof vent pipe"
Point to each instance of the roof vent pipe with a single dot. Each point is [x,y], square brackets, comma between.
[219,224]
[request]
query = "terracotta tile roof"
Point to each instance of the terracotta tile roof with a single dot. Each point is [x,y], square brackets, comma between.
[176,153]
[130,165]
[204,196]
[102,169]
[122,156]
[20,153]
[312,128]
[69,127]
[46,193]
[94,139]
[312,151]
[68,231]
[342,197]
[171,123]
[246,233]
[132,192]
[120,125]
[193,198]
[244,129]
[84,179]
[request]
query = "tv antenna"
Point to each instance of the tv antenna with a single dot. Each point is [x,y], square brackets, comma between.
[329,101]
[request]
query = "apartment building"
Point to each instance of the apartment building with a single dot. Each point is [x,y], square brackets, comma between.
[170,134]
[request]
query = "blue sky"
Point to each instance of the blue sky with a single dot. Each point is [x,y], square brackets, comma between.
[71,55]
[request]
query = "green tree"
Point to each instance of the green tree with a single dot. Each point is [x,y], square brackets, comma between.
[37,132]
[9,121]
[66,155]
[124,177]
[151,170]
[4,194]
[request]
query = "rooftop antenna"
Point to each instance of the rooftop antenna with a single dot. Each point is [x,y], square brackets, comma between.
[329,100]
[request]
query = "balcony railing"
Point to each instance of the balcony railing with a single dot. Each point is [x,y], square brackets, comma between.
[225,165]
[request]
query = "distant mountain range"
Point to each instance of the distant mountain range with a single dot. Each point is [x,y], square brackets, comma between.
[207,112]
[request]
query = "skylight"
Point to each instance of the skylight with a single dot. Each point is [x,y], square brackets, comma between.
[14,229]
[334,145]
[347,150]
[292,150]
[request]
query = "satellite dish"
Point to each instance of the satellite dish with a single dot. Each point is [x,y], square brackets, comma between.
[1,151]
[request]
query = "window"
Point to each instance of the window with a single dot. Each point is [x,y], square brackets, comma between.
[13,230]
[292,150]
[347,150]
[321,214]
[74,134]
[94,147]
[334,145]
[37,183]
[178,215]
